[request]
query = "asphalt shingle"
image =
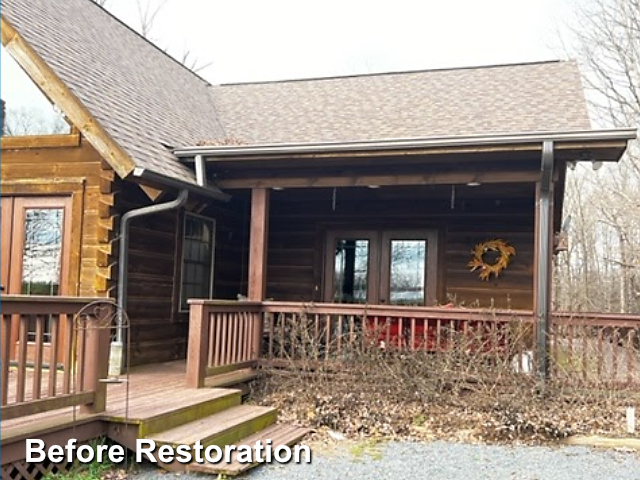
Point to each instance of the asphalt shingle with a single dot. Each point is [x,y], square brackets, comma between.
[147,101]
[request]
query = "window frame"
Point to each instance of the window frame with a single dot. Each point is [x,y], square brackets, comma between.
[185,308]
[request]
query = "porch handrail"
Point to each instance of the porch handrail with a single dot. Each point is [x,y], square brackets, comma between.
[223,335]
[38,375]
[442,312]
[331,328]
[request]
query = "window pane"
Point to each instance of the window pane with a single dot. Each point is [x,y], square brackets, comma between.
[197,260]
[407,272]
[351,271]
[41,259]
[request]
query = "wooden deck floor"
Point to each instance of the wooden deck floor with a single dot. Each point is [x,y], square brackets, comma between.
[152,390]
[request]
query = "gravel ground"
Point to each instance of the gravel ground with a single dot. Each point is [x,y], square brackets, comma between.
[442,460]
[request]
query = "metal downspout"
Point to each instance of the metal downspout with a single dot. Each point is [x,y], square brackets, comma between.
[543,252]
[116,357]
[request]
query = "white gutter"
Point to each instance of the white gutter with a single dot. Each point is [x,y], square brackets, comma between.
[214,151]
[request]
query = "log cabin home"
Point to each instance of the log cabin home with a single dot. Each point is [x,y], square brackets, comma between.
[340,194]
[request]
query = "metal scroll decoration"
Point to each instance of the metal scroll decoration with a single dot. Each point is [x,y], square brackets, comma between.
[487,269]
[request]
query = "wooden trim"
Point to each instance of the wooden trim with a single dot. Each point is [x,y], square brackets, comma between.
[62,96]
[442,178]
[221,370]
[258,235]
[46,404]
[40,141]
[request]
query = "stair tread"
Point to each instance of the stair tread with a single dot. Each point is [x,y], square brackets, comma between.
[279,434]
[231,378]
[155,406]
[208,427]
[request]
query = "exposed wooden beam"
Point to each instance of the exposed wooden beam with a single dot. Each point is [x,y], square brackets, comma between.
[445,178]
[40,141]
[259,232]
[62,96]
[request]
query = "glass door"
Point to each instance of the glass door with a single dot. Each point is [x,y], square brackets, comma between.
[351,257]
[381,267]
[35,251]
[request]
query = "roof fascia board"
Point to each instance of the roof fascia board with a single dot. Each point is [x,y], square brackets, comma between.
[532,140]
[57,92]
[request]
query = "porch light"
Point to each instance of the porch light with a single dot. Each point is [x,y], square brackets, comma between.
[473,183]
[373,186]
[277,189]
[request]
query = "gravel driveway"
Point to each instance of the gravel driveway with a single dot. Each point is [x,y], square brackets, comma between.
[440,461]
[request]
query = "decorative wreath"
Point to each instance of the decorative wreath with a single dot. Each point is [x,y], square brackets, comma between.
[487,269]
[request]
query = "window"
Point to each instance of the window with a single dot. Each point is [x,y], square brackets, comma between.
[198,247]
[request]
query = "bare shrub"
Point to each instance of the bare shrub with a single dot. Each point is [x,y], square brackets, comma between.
[473,379]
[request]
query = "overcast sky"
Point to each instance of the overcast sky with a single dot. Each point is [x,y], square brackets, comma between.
[254,40]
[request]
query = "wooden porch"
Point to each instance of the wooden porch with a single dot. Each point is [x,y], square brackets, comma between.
[76,399]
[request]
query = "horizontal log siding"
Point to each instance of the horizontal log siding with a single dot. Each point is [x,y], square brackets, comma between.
[299,220]
[158,328]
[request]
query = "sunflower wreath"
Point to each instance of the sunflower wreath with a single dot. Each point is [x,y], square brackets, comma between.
[505,252]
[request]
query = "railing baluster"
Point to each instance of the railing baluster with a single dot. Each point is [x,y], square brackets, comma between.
[352,333]
[22,360]
[211,341]
[37,358]
[339,333]
[5,358]
[235,324]
[271,333]
[67,333]
[629,350]
[412,345]
[600,343]
[327,338]
[219,323]
[53,356]
[614,354]
[585,346]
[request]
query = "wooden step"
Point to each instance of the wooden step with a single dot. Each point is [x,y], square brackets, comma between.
[158,413]
[231,379]
[224,428]
[279,434]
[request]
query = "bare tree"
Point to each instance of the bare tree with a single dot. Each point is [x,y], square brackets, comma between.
[33,121]
[602,270]
[148,12]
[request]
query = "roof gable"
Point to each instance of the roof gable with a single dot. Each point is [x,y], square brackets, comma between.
[131,100]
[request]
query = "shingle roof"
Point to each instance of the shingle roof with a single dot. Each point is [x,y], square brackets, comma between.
[519,98]
[147,102]
[141,97]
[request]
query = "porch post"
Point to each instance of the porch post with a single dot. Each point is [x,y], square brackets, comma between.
[542,259]
[258,238]
[258,244]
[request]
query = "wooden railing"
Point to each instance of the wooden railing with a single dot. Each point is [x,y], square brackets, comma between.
[332,331]
[582,346]
[223,336]
[46,361]
[595,347]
